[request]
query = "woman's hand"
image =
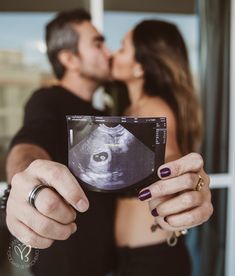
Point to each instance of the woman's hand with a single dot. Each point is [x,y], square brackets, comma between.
[182,198]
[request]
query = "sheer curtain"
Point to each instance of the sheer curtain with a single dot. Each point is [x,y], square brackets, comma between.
[214,71]
[207,242]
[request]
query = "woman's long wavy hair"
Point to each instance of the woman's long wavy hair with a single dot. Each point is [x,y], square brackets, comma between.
[160,49]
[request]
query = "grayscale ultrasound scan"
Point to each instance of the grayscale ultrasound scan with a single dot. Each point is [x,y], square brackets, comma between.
[115,153]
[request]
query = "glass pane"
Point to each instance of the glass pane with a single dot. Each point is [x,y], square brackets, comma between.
[23,68]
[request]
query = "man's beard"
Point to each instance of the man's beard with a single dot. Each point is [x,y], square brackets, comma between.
[101,80]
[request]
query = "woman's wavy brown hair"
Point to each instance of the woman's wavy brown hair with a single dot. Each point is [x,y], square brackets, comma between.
[160,49]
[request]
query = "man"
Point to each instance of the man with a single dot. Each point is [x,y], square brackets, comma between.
[80,61]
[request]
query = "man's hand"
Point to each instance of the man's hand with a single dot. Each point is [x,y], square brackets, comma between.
[54,217]
[175,200]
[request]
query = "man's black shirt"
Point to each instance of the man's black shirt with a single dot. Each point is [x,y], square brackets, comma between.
[90,251]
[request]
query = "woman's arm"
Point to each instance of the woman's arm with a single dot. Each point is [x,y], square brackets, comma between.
[176,199]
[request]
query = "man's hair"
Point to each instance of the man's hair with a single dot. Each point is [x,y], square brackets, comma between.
[61,35]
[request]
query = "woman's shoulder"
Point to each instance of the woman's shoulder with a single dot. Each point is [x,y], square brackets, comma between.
[156,106]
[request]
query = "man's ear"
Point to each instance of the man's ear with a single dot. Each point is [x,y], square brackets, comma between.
[69,60]
[138,71]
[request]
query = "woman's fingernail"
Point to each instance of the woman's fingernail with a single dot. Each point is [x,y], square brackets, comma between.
[165,172]
[145,194]
[165,219]
[154,212]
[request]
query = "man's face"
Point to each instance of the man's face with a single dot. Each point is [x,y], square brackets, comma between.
[93,53]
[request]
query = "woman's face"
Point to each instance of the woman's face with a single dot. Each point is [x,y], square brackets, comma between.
[124,66]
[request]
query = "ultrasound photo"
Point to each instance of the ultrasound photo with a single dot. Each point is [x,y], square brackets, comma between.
[115,153]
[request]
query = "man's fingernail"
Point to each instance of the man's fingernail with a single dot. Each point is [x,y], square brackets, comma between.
[154,212]
[145,194]
[75,229]
[82,205]
[165,172]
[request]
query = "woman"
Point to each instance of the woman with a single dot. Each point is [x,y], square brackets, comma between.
[153,63]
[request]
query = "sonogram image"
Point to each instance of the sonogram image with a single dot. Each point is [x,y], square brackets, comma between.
[109,156]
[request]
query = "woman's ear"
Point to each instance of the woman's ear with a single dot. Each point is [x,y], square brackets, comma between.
[69,60]
[138,71]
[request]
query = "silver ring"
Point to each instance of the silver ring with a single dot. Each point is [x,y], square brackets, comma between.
[34,193]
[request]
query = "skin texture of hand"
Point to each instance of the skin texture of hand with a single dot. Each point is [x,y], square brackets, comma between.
[174,200]
[55,214]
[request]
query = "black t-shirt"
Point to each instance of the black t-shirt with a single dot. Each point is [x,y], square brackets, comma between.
[91,250]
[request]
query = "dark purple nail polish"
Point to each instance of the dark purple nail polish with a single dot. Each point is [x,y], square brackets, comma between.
[145,194]
[165,172]
[154,212]
[165,219]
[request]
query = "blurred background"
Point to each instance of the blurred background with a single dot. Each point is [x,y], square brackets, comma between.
[208,29]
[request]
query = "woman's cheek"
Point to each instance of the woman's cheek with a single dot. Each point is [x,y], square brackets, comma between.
[117,69]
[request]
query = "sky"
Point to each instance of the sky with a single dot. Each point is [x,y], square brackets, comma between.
[25,32]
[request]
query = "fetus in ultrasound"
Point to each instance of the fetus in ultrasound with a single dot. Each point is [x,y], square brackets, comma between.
[111,158]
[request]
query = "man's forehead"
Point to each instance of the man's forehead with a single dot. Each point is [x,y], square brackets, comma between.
[88,31]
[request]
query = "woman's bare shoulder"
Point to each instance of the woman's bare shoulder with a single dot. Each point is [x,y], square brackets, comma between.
[156,106]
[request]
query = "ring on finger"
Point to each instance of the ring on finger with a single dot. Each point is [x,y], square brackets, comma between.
[35,192]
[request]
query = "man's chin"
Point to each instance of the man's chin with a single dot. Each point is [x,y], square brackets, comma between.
[113,76]
[103,79]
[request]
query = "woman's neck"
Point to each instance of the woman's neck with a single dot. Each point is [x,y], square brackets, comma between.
[136,93]
[137,97]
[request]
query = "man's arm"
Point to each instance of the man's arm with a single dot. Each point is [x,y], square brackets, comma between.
[21,156]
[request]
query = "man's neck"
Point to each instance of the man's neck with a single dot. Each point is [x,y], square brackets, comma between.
[80,87]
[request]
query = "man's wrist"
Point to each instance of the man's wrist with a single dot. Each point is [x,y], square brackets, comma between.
[3,200]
